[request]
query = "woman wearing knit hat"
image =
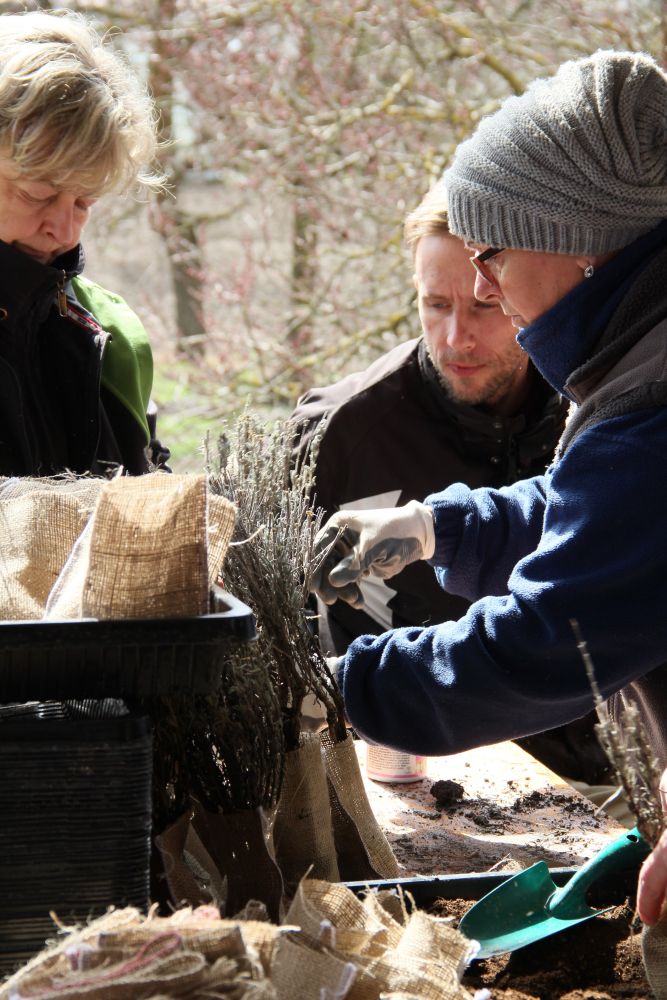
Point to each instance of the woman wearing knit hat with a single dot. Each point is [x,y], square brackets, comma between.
[562,196]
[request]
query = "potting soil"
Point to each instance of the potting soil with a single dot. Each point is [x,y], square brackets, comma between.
[600,959]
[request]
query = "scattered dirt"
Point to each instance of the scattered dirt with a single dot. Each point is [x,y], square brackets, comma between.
[597,960]
[447,792]
[512,812]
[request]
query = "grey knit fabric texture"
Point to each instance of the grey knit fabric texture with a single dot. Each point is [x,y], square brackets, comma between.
[576,164]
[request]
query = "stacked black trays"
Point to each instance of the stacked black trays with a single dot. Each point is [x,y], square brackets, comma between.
[76,759]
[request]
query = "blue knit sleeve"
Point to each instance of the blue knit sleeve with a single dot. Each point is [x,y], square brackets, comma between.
[511,667]
[481,534]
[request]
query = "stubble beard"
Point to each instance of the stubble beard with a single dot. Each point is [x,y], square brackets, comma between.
[489,393]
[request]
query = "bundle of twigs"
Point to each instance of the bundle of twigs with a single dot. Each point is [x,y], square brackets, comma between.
[225,749]
[237,751]
[270,561]
[629,751]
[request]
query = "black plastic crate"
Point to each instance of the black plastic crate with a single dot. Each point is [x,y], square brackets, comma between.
[134,658]
[75,825]
[425,890]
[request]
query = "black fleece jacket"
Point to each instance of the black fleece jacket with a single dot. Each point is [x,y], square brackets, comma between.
[54,412]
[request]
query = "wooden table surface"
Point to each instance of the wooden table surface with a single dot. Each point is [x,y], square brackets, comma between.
[514,812]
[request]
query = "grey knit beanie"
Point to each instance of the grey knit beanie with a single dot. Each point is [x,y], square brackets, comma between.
[577,164]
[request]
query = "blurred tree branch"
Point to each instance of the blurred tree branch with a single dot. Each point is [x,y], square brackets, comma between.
[300,134]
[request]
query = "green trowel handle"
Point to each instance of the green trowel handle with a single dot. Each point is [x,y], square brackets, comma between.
[570,901]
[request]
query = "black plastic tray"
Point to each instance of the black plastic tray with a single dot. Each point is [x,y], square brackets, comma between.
[611,890]
[129,658]
[75,835]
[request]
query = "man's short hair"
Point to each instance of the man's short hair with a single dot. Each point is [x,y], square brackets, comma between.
[430,218]
[72,112]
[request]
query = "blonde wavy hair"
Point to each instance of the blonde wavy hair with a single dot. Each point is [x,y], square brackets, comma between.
[429,218]
[72,112]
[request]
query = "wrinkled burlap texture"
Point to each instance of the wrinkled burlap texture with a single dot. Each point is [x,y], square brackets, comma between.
[416,955]
[331,945]
[124,956]
[303,831]
[40,521]
[152,549]
[654,950]
[191,875]
[362,849]
[324,823]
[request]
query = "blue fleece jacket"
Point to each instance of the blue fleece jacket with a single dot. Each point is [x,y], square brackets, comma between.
[586,541]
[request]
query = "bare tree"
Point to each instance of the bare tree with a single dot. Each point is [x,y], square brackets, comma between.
[301,133]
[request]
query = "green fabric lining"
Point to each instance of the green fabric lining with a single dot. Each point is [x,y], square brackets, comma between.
[127,366]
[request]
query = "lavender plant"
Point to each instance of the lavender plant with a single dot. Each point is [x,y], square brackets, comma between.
[271,559]
[629,751]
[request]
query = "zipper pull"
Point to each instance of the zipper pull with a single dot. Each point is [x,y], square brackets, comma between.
[62,297]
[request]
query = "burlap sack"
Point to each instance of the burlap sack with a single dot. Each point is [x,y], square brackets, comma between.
[424,958]
[125,955]
[194,953]
[148,551]
[302,831]
[152,549]
[301,970]
[202,930]
[654,951]
[239,845]
[362,849]
[183,887]
[358,929]
[65,600]
[40,521]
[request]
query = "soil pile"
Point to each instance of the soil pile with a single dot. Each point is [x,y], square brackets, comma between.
[597,960]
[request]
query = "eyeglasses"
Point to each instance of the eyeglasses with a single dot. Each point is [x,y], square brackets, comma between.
[480,259]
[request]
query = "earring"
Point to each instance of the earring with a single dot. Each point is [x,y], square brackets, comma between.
[589,271]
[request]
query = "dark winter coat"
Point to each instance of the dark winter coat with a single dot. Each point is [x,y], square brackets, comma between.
[75,373]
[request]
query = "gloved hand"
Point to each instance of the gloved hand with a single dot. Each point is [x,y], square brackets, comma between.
[381,542]
[313,711]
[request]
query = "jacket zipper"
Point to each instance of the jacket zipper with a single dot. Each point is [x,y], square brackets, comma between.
[62,297]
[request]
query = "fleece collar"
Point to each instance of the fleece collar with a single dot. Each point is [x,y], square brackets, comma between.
[563,339]
[29,287]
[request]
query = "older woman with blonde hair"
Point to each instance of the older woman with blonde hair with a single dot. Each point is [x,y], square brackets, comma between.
[75,362]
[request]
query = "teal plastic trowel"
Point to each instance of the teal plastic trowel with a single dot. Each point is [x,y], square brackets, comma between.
[529,906]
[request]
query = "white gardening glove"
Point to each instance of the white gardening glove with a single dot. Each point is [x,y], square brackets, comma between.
[381,542]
